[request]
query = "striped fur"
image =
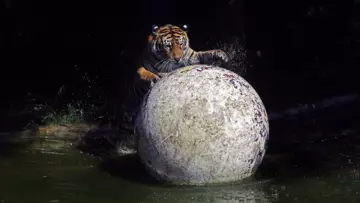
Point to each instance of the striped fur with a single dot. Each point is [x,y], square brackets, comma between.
[168,49]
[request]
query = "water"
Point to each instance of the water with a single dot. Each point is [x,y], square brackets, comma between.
[38,169]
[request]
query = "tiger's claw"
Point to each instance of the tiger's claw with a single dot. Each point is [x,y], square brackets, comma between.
[161,75]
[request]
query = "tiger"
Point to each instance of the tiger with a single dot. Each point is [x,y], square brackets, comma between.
[168,49]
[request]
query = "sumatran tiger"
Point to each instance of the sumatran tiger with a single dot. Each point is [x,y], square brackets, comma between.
[168,49]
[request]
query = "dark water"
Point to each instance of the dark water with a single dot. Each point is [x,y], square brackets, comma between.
[35,169]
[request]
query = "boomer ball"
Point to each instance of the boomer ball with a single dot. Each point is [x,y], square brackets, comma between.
[202,124]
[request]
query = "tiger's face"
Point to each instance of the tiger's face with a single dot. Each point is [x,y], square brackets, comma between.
[170,42]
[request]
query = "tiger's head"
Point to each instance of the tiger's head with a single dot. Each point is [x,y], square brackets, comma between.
[169,42]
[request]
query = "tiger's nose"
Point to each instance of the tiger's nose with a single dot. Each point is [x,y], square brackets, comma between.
[177,59]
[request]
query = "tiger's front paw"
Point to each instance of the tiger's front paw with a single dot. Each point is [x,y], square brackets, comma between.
[222,56]
[147,75]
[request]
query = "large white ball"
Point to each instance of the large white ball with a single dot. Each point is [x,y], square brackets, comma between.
[202,124]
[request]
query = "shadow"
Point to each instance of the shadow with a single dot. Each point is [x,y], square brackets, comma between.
[128,167]
[103,141]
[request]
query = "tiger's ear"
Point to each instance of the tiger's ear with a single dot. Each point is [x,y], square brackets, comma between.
[154,29]
[185,27]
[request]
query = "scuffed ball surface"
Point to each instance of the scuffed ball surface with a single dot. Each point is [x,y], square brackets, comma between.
[202,124]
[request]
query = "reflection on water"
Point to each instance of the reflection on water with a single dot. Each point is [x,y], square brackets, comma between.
[34,169]
[252,193]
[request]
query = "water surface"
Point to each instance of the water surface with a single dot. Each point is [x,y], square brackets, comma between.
[48,170]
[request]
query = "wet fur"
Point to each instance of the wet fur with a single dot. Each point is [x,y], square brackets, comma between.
[168,49]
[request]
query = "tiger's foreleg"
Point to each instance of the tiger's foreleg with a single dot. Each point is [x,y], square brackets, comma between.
[213,57]
[147,75]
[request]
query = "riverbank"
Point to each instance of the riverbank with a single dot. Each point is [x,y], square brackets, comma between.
[88,138]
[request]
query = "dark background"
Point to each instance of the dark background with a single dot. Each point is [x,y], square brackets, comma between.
[299,51]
